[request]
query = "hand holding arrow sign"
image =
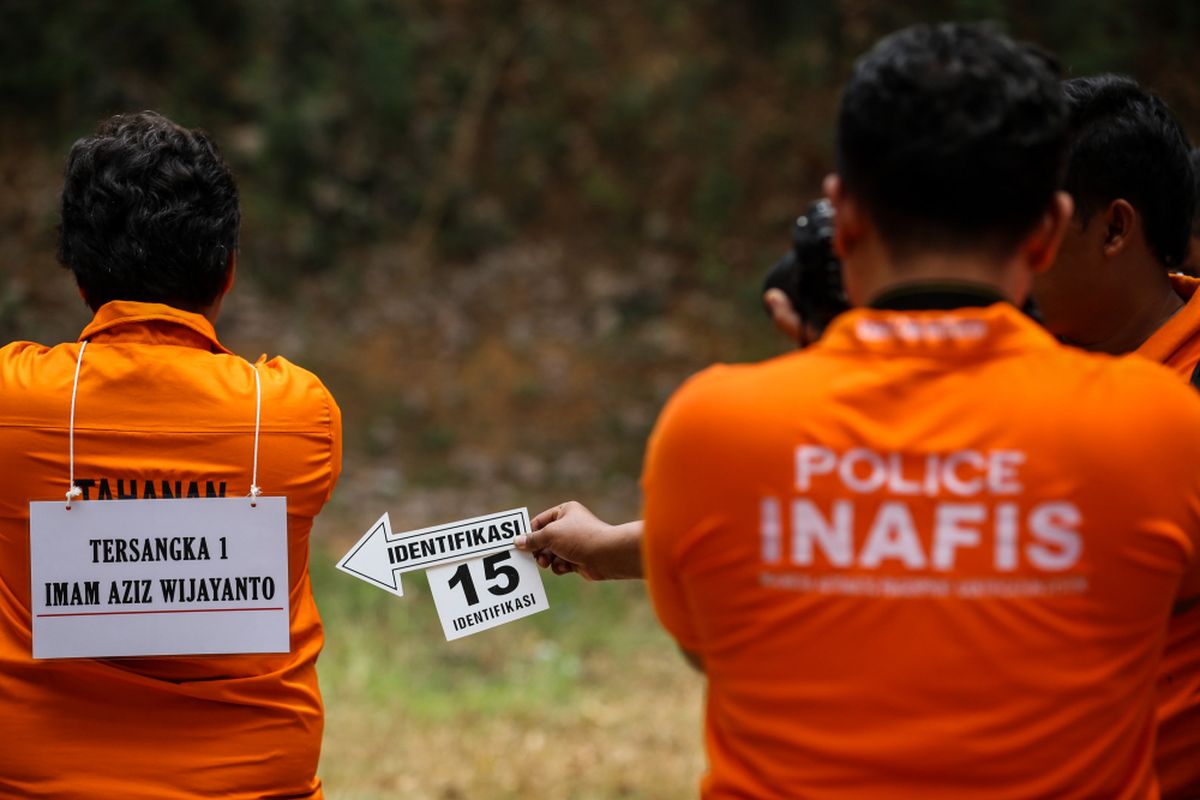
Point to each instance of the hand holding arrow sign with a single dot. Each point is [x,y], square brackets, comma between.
[470,548]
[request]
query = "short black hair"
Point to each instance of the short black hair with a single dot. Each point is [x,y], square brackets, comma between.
[1126,143]
[149,213]
[953,137]
[1196,191]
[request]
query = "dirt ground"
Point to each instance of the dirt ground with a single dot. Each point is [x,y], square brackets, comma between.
[587,700]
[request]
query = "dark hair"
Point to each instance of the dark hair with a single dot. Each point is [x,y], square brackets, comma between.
[1125,143]
[149,213]
[952,136]
[1196,191]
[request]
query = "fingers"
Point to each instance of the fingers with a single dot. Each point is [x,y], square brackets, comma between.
[562,539]
[531,542]
[784,315]
[571,508]
[559,566]
[550,515]
[538,543]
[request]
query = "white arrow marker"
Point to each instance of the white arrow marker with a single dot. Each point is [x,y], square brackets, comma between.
[368,559]
[379,556]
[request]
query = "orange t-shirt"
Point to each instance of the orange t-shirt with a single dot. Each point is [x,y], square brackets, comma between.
[162,409]
[932,556]
[1177,756]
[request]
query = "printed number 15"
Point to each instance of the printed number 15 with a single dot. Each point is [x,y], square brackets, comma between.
[462,577]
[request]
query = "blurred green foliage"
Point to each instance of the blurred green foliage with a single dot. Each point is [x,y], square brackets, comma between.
[403,163]
[351,121]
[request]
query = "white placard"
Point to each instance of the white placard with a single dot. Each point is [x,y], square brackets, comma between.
[380,557]
[159,577]
[472,596]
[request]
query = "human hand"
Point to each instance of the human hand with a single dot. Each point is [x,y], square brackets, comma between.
[570,538]
[785,316]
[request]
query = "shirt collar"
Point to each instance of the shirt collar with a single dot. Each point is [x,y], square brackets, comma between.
[968,332]
[930,295]
[128,321]
[1180,329]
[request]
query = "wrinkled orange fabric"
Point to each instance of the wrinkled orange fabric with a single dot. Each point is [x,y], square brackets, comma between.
[1177,758]
[162,407]
[932,556]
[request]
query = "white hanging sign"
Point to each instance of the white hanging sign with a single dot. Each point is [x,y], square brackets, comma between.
[159,577]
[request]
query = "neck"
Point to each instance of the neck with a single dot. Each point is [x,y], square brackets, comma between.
[210,312]
[1144,311]
[936,295]
[883,276]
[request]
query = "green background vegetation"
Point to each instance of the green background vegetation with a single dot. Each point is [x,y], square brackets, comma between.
[502,232]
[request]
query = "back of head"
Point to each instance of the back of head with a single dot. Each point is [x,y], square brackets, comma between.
[149,213]
[1196,191]
[952,136]
[1126,144]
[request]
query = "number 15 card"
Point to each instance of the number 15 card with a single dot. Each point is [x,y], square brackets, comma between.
[472,596]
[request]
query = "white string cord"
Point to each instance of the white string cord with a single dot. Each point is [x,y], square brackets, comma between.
[74,491]
[254,490]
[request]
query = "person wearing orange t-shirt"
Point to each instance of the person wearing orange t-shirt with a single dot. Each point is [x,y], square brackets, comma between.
[1110,290]
[934,554]
[150,223]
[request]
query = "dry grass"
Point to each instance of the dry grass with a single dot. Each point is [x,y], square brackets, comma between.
[586,700]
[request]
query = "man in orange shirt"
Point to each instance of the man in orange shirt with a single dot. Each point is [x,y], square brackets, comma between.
[1110,290]
[1129,174]
[933,555]
[150,228]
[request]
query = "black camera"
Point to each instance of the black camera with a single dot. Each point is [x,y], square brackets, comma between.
[811,274]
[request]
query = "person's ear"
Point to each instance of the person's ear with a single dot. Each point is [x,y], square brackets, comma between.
[849,224]
[784,314]
[1041,246]
[230,273]
[1119,220]
[214,308]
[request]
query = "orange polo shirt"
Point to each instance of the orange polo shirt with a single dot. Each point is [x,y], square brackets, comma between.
[932,556]
[163,408]
[1177,345]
